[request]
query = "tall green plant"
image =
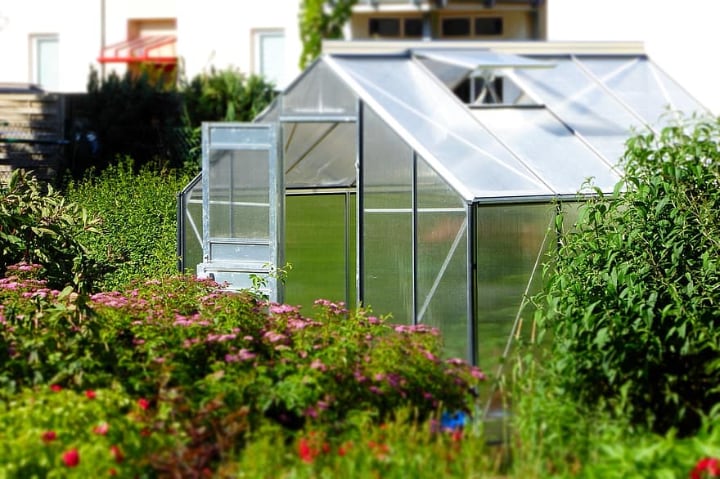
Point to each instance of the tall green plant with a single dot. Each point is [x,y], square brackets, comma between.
[321,19]
[632,301]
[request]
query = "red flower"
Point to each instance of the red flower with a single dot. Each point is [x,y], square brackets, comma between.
[71,458]
[344,448]
[49,436]
[112,472]
[143,403]
[381,450]
[117,453]
[90,394]
[101,429]
[56,388]
[306,451]
[711,466]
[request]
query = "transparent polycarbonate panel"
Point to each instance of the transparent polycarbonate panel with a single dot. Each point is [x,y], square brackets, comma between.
[387,164]
[480,59]
[549,148]
[240,253]
[230,137]
[581,102]
[451,75]
[434,123]
[387,221]
[512,244]
[319,154]
[644,87]
[239,194]
[388,264]
[442,261]
[319,90]
[320,246]
[191,224]
[271,114]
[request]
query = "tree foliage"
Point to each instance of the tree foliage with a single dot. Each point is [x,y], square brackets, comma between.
[632,301]
[321,19]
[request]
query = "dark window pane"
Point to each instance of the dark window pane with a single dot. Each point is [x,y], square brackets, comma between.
[413,27]
[488,26]
[456,27]
[385,27]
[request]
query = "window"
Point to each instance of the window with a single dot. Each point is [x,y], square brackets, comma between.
[472,27]
[488,26]
[45,61]
[395,27]
[413,27]
[384,27]
[269,55]
[456,27]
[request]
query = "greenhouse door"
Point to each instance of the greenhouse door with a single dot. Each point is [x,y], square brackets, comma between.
[242,206]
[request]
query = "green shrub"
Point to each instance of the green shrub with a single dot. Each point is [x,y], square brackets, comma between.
[38,226]
[631,304]
[138,218]
[225,95]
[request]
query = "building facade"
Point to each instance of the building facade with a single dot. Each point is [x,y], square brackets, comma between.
[55,44]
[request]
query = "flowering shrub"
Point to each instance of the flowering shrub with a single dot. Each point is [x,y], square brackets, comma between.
[46,430]
[198,370]
[706,468]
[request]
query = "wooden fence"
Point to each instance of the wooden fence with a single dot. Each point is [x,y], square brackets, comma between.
[32,133]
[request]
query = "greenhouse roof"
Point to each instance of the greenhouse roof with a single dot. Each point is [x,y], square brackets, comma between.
[497,124]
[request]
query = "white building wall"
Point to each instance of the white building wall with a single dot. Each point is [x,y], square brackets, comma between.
[679,36]
[77,28]
[221,34]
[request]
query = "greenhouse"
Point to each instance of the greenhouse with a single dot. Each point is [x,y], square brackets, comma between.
[422,182]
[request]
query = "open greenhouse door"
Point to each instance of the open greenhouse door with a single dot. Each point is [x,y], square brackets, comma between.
[243,212]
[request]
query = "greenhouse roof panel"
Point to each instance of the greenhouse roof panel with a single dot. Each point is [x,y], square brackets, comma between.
[586,105]
[480,59]
[436,124]
[549,148]
[641,85]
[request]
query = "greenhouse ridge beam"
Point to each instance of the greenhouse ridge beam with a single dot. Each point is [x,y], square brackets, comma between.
[375,47]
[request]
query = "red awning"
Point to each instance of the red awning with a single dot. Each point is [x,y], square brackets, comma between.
[147,49]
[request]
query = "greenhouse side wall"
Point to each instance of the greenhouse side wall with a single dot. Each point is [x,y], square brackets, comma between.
[442,259]
[387,223]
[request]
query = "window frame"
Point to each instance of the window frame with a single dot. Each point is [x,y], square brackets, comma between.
[35,68]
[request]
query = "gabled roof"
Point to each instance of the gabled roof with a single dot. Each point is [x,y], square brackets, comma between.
[568,119]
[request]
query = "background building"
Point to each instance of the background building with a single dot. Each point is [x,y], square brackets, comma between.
[54,44]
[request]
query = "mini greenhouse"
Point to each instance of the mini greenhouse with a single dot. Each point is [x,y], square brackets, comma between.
[423,183]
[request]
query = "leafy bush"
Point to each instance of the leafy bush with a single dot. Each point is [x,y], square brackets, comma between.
[632,302]
[50,431]
[138,218]
[37,225]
